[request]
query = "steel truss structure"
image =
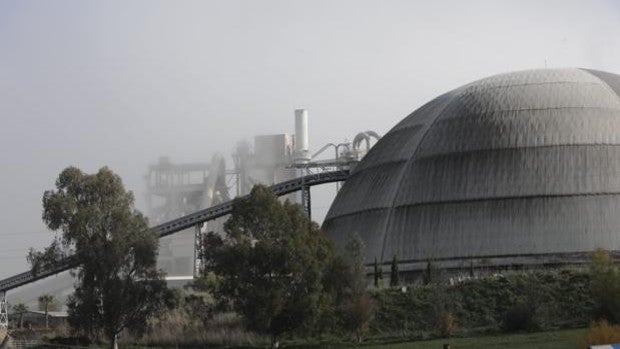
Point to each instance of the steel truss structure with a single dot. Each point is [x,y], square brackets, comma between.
[4,311]
[195,219]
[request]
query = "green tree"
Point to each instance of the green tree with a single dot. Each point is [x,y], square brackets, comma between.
[394,277]
[335,283]
[430,273]
[271,262]
[605,286]
[354,257]
[376,273]
[47,259]
[357,306]
[45,301]
[20,309]
[118,286]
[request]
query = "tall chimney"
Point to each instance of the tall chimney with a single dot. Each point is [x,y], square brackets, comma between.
[302,154]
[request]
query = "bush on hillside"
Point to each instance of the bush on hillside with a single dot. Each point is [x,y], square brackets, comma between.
[606,286]
[519,318]
[446,325]
[562,299]
[601,332]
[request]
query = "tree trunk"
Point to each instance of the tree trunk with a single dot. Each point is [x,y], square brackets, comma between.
[21,320]
[114,342]
[46,316]
[275,344]
[358,333]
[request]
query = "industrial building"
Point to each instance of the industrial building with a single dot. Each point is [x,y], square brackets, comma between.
[177,189]
[174,190]
[512,171]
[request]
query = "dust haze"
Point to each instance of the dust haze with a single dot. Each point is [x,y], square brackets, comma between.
[121,83]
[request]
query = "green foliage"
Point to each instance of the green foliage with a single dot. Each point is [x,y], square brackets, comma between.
[48,258]
[559,299]
[357,311]
[46,303]
[357,307]
[354,257]
[335,282]
[118,285]
[376,273]
[209,246]
[520,317]
[199,306]
[20,308]
[394,276]
[606,286]
[209,281]
[271,263]
[430,274]
[446,325]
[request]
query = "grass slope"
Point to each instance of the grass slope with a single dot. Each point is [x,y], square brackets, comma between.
[563,339]
[566,339]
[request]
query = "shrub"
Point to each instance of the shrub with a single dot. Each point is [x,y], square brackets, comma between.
[357,313]
[602,332]
[394,277]
[606,286]
[430,273]
[70,341]
[519,318]
[446,325]
[177,328]
[545,299]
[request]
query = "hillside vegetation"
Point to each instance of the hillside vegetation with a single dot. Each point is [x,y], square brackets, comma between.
[519,302]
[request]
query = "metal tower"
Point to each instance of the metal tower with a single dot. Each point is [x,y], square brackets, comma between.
[4,312]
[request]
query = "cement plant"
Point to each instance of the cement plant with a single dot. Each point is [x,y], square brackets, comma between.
[177,189]
[340,174]
[514,171]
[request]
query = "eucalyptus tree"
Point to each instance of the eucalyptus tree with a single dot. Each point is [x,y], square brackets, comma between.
[270,261]
[118,286]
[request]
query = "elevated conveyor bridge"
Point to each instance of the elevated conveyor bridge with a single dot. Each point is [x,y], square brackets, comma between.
[176,225]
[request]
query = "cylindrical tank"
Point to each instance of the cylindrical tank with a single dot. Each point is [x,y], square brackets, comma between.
[301,136]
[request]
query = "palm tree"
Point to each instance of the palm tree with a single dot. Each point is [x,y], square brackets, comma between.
[20,309]
[44,302]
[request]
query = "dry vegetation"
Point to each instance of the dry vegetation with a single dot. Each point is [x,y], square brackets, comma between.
[177,328]
[601,332]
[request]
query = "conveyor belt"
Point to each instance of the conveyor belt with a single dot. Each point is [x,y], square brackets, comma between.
[182,223]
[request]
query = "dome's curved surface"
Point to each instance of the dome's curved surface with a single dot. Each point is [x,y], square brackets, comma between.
[524,163]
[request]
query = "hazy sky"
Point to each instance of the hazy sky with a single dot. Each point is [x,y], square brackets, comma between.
[119,83]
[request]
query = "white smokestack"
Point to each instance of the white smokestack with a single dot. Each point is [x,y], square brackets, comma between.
[302,153]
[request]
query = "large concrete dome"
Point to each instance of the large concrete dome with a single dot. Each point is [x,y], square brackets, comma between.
[513,169]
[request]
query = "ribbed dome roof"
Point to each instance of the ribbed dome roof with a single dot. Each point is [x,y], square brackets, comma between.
[515,164]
